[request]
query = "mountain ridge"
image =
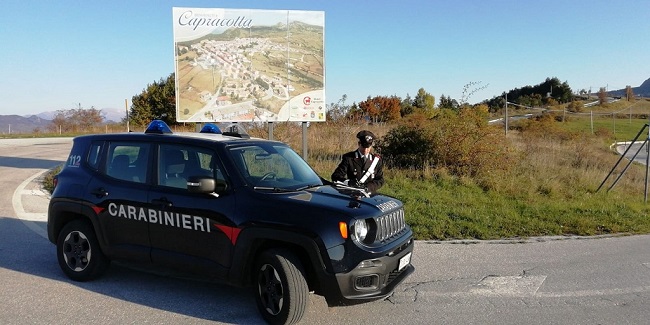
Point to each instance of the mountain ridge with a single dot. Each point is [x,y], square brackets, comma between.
[15,123]
[642,91]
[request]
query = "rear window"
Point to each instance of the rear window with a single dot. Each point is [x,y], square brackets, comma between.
[128,161]
[94,157]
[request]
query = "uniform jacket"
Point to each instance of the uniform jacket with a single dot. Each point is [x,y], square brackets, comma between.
[352,167]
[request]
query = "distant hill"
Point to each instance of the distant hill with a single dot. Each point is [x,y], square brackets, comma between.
[40,121]
[20,124]
[643,90]
[111,115]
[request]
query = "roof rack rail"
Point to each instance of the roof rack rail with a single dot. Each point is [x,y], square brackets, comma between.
[235,130]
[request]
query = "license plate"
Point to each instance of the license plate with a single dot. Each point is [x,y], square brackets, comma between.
[404,261]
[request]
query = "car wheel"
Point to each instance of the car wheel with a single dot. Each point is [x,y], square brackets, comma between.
[281,289]
[78,252]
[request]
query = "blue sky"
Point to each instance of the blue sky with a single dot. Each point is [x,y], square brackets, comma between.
[57,54]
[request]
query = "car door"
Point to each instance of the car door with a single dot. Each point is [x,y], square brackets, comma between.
[118,195]
[194,231]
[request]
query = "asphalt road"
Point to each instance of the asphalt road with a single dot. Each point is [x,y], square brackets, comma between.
[634,151]
[537,281]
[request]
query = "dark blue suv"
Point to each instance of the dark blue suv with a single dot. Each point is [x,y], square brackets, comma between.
[244,211]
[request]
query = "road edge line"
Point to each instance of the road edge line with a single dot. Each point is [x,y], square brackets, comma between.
[19,210]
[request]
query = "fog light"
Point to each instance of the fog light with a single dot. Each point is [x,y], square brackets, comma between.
[369,263]
[367,282]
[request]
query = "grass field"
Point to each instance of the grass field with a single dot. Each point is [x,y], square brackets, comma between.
[622,120]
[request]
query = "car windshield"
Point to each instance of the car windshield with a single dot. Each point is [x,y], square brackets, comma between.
[274,167]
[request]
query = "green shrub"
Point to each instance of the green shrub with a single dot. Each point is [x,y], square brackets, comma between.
[462,143]
[48,178]
[576,106]
[407,147]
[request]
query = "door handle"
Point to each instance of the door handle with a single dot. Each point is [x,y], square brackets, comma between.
[162,202]
[99,192]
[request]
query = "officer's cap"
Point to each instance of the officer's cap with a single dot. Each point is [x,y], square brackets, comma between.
[366,138]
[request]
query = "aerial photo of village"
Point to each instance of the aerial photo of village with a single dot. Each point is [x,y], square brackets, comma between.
[261,73]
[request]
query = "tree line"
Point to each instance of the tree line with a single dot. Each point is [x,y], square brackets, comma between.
[158,101]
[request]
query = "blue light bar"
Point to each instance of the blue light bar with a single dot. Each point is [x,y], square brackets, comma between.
[210,128]
[158,127]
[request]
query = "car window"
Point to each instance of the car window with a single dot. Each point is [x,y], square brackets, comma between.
[261,163]
[178,162]
[93,159]
[128,161]
[273,166]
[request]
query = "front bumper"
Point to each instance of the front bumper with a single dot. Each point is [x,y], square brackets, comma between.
[376,278]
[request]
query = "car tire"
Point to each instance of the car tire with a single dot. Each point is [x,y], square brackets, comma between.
[281,291]
[78,252]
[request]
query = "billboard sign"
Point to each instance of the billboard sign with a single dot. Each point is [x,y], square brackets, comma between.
[247,65]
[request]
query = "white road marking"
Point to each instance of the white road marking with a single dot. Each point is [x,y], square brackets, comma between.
[28,218]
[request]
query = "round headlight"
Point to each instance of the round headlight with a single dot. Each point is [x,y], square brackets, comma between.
[360,230]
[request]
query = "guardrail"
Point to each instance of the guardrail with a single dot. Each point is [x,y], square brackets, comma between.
[628,164]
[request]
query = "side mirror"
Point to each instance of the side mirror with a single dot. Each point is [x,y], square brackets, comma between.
[198,184]
[220,187]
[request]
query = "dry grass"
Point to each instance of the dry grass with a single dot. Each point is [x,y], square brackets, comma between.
[326,141]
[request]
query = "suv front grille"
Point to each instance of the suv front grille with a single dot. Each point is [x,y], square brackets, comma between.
[393,275]
[390,225]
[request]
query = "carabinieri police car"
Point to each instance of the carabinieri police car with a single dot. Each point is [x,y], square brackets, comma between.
[244,211]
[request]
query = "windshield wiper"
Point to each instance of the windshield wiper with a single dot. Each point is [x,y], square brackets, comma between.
[308,186]
[344,186]
[274,189]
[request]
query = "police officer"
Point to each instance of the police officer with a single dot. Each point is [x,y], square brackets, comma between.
[361,168]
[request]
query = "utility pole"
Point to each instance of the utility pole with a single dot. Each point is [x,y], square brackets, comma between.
[647,165]
[126,108]
[505,120]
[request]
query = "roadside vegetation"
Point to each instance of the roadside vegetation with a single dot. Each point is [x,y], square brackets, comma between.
[461,177]
[539,180]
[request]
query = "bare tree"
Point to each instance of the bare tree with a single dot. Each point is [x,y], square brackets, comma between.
[76,120]
[629,93]
[602,96]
